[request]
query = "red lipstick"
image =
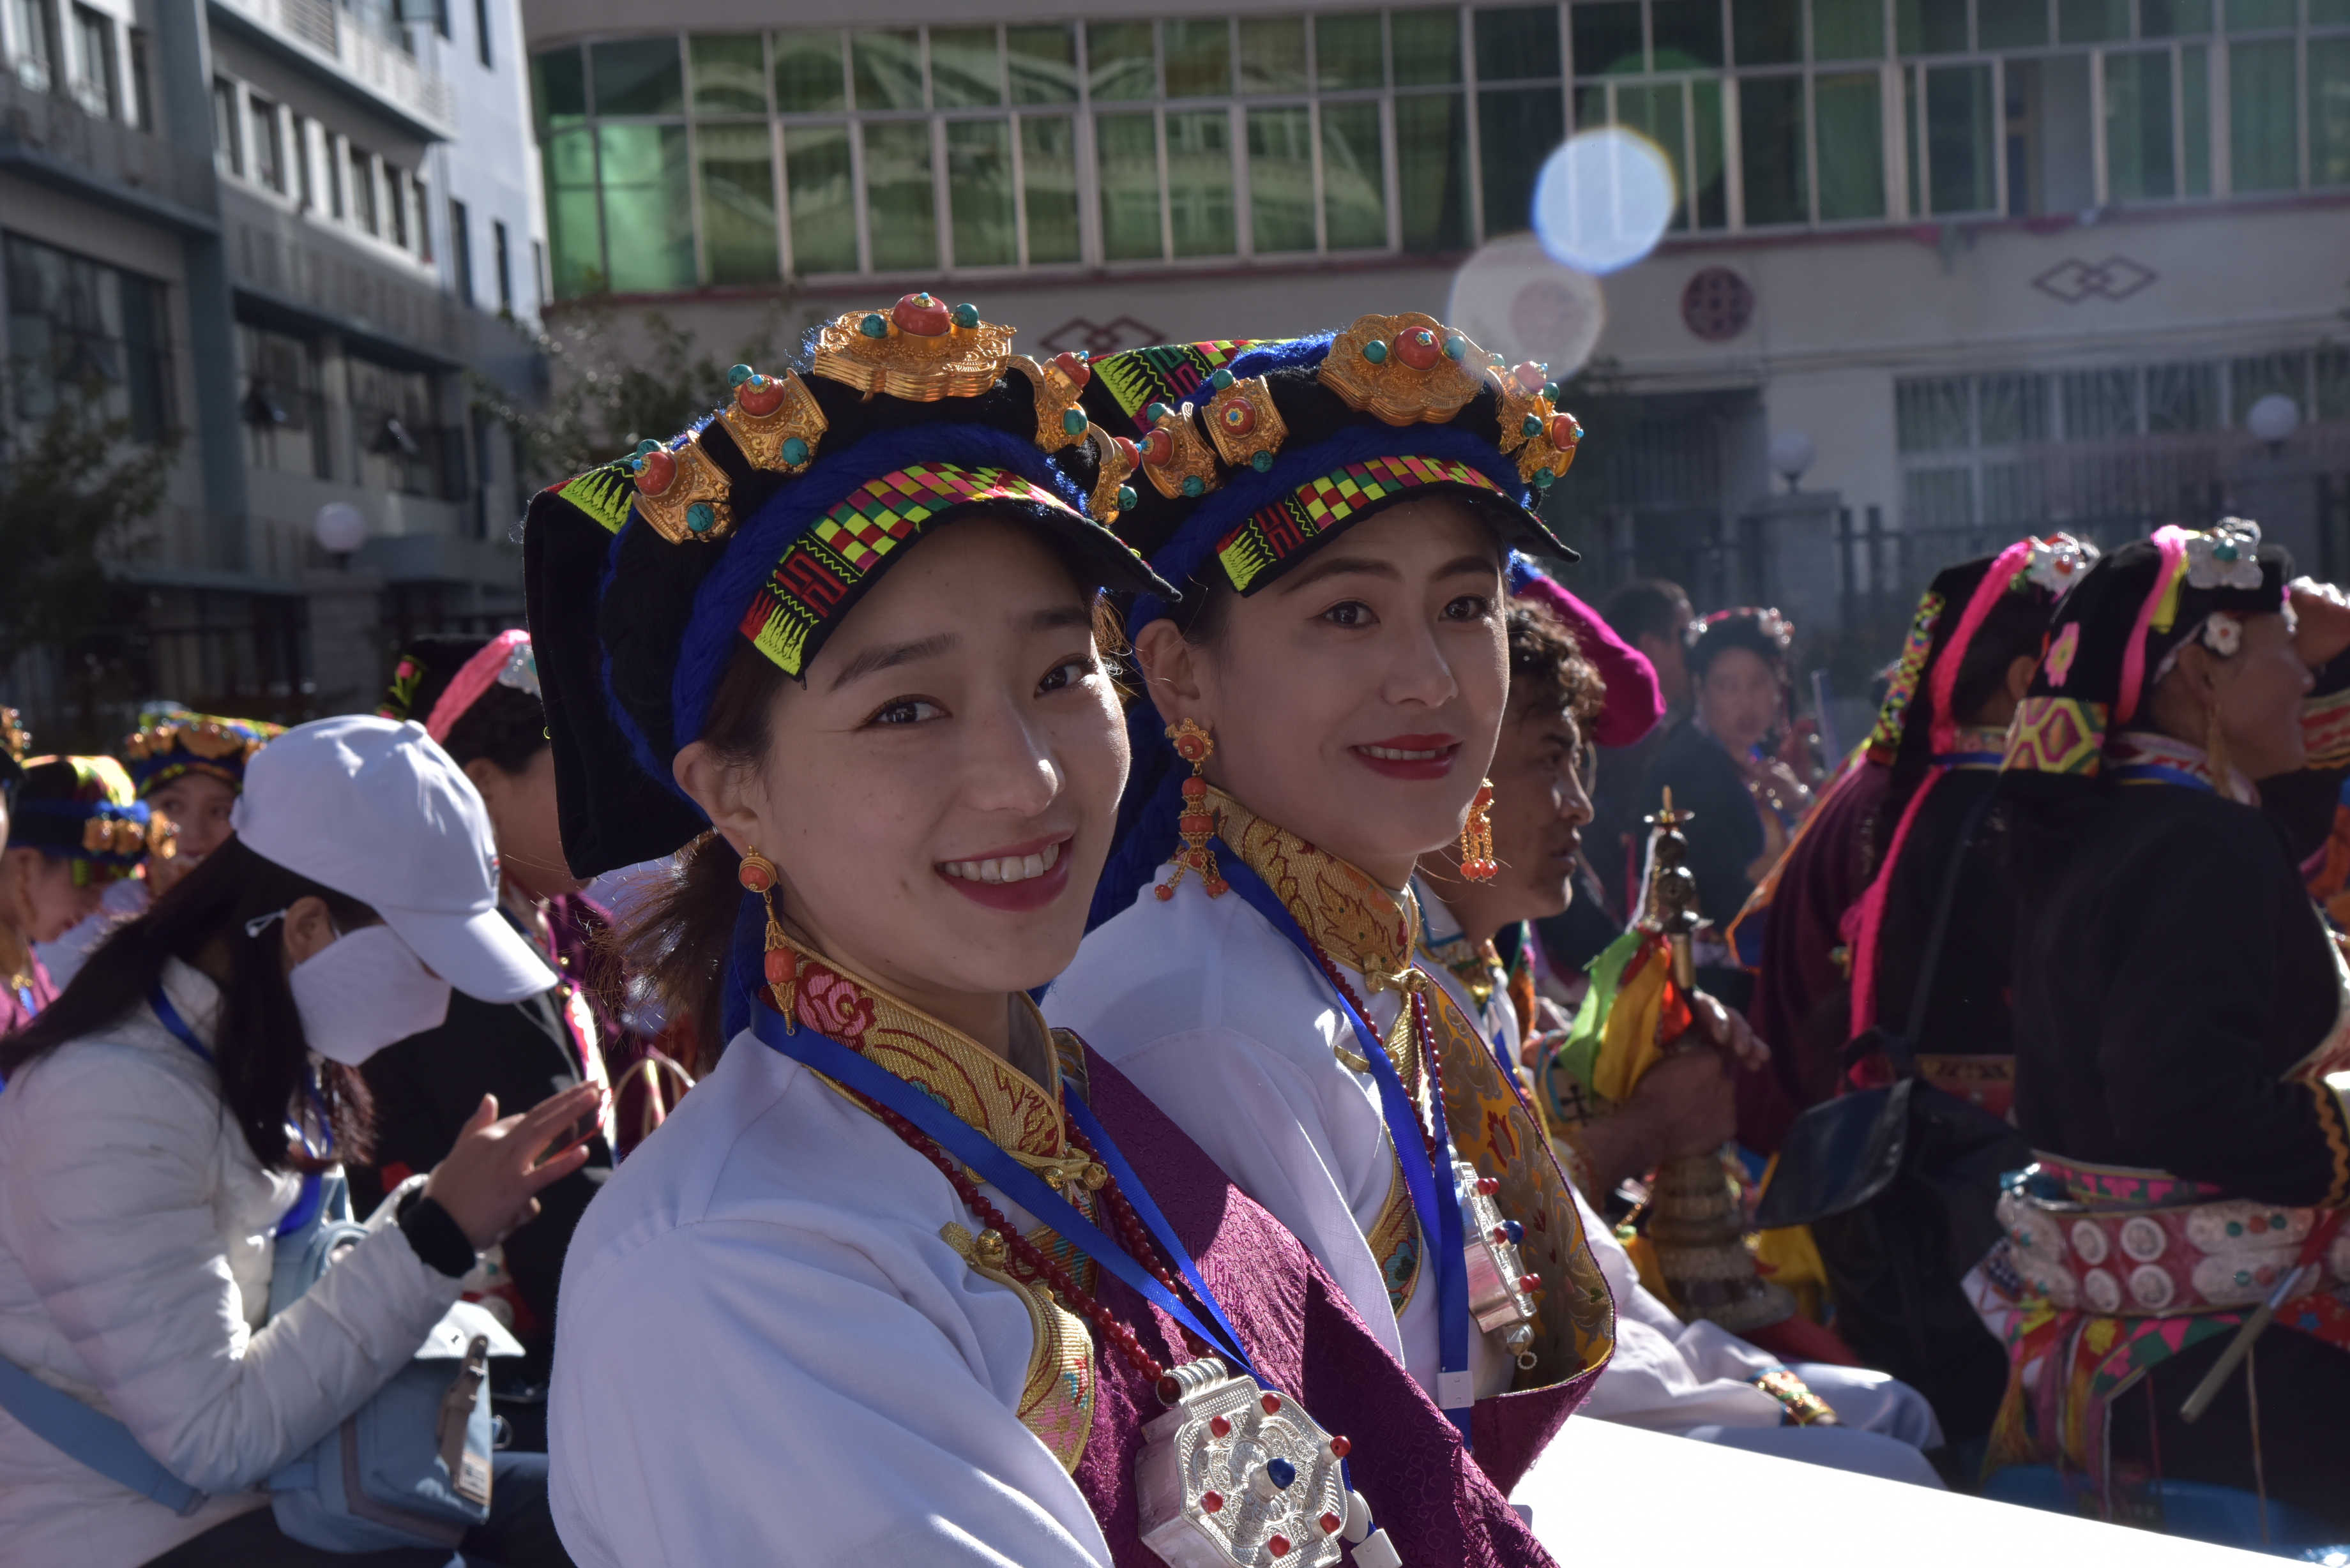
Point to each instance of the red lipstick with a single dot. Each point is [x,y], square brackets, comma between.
[1015,879]
[1417,758]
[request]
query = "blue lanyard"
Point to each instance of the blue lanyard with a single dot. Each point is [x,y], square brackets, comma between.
[2159,772]
[1433,1199]
[823,1053]
[306,1204]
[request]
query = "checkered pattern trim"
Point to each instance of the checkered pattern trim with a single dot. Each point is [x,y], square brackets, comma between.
[1886,742]
[2326,729]
[1291,525]
[2056,735]
[823,570]
[1165,373]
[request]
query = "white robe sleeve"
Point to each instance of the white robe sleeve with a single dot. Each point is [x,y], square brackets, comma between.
[1263,1121]
[736,1391]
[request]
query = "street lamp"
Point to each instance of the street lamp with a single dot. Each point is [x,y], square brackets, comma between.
[1791,456]
[2273,419]
[340,528]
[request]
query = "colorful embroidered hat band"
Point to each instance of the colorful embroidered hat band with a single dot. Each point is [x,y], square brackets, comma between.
[767,522]
[172,743]
[81,809]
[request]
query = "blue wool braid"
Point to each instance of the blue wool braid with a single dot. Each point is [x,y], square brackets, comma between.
[713,632]
[1187,550]
[1146,814]
[1521,571]
[1289,354]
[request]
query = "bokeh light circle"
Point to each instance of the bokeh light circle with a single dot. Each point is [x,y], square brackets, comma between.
[1603,199]
[1512,300]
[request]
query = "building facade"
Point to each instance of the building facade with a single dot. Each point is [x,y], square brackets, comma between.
[2005,264]
[285,235]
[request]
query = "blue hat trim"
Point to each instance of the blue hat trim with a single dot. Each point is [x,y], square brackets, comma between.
[714,628]
[78,812]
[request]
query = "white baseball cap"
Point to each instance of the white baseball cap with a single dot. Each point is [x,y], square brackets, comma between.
[378,812]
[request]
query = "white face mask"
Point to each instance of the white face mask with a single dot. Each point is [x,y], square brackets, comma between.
[364,991]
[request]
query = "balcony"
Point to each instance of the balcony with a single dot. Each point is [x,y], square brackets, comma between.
[337,42]
[45,136]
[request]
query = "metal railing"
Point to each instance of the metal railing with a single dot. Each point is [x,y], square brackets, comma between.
[330,31]
[53,123]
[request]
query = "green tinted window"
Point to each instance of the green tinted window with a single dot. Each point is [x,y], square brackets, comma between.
[1120,57]
[1432,171]
[979,192]
[647,207]
[1931,26]
[2139,164]
[1850,126]
[1044,63]
[1769,32]
[1517,128]
[1607,39]
[1048,170]
[729,73]
[639,75]
[808,76]
[2329,111]
[901,215]
[2244,16]
[1272,54]
[2263,152]
[1517,43]
[559,87]
[1199,57]
[2092,21]
[1348,51]
[1281,179]
[575,227]
[738,203]
[1850,29]
[2011,24]
[2176,18]
[1126,156]
[1959,138]
[1200,184]
[887,68]
[1353,178]
[1688,33]
[966,68]
[1771,136]
[1427,47]
[820,199]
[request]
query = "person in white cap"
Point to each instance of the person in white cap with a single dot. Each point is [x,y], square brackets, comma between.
[160,1117]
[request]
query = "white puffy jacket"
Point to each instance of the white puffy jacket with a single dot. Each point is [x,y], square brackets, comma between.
[135,1254]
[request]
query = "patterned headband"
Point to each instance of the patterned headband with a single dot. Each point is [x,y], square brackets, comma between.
[504,660]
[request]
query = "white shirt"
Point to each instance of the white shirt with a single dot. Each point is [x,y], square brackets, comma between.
[135,1255]
[768,1353]
[1665,1374]
[1230,1030]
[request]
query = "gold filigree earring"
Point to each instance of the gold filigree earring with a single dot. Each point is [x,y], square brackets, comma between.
[1197,825]
[1477,862]
[781,967]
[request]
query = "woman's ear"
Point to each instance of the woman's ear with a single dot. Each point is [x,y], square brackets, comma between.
[307,929]
[726,794]
[1171,673]
[487,779]
[2020,670]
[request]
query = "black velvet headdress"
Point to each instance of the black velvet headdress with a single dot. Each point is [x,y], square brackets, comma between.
[768,520]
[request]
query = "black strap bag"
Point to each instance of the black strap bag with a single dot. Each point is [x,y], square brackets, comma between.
[1900,1185]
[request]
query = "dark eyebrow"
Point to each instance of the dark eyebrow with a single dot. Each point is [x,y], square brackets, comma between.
[1323,566]
[1471,565]
[890,655]
[1061,617]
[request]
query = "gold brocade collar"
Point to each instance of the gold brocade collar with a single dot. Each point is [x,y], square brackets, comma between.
[1017,1113]
[1362,926]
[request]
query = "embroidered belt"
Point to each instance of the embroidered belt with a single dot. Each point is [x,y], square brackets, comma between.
[2143,1243]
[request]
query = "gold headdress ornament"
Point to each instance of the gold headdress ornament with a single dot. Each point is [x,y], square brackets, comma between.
[1119,459]
[919,351]
[1244,422]
[1174,455]
[1413,370]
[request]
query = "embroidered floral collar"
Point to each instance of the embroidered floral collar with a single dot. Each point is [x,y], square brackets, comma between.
[1016,1111]
[2148,757]
[1476,965]
[1361,925]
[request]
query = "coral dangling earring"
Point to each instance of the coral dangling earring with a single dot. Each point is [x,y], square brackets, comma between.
[1477,861]
[757,874]
[1197,825]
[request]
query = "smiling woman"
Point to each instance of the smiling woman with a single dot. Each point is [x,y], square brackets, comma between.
[839,643]
[1336,675]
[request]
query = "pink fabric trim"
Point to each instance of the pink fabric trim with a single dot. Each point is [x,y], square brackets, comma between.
[1636,699]
[1862,938]
[480,672]
[2172,542]
[1945,677]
